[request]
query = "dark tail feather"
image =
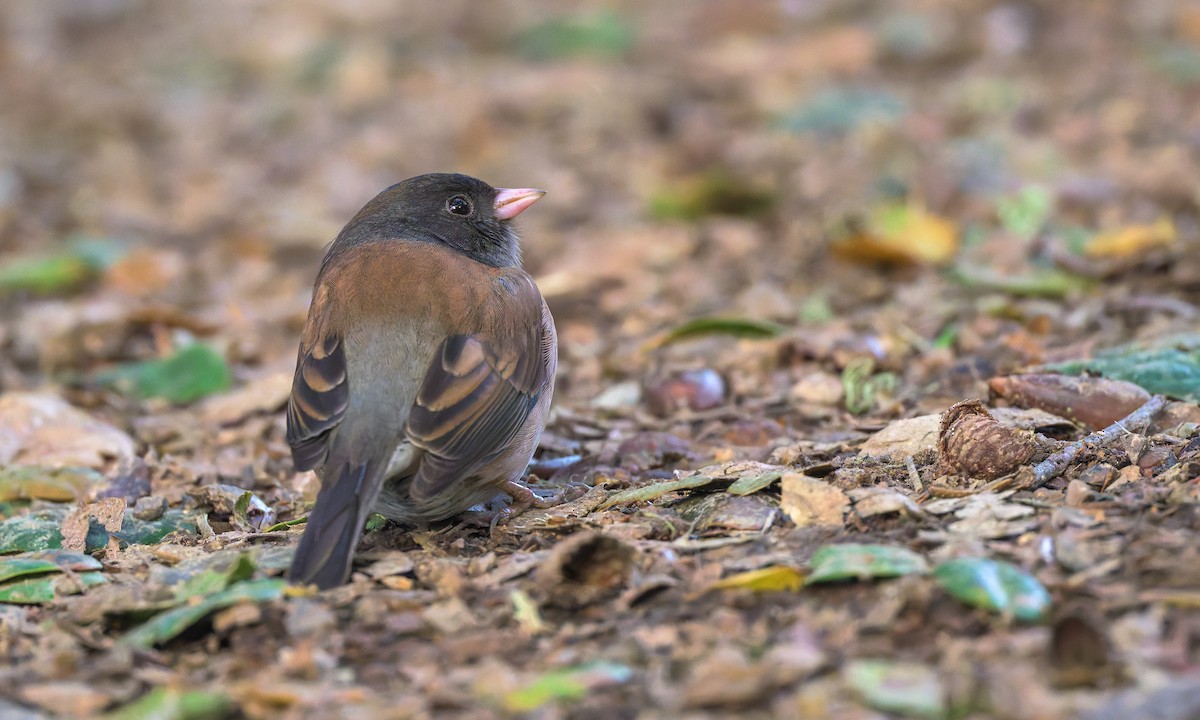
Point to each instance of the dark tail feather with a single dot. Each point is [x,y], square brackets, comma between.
[334,528]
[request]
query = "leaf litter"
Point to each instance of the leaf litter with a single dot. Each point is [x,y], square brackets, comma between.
[781,270]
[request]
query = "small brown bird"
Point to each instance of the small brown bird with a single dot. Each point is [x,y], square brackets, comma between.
[425,369]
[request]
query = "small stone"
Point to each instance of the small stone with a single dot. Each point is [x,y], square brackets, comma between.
[308,618]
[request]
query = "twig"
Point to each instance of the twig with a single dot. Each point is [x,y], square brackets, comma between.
[1054,465]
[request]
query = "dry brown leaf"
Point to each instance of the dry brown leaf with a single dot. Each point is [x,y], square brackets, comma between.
[70,699]
[38,429]
[261,395]
[109,512]
[810,501]
[904,438]
[1095,402]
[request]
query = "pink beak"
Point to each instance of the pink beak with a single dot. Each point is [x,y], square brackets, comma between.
[511,202]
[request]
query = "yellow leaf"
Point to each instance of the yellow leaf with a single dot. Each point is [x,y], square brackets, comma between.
[1131,240]
[777,577]
[901,233]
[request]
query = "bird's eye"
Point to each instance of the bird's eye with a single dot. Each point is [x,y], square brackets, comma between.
[459,205]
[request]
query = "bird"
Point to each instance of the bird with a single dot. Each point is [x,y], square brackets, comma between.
[425,368]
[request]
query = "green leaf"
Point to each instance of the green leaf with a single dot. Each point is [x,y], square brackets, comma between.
[717,192]
[904,688]
[41,590]
[32,531]
[151,532]
[15,567]
[66,559]
[60,272]
[852,561]
[656,490]
[863,386]
[1172,370]
[287,524]
[1039,282]
[706,326]
[751,484]
[1179,62]
[214,580]
[193,372]
[841,110]
[173,622]
[33,482]
[567,684]
[1025,213]
[602,34]
[816,310]
[946,338]
[375,521]
[910,35]
[994,585]
[250,513]
[40,530]
[171,704]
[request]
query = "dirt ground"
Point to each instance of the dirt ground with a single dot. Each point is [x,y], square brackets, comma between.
[782,242]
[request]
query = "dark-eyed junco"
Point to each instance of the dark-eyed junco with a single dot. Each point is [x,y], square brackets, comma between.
[425,368]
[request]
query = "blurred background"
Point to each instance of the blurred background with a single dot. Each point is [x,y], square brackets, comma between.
[918,176]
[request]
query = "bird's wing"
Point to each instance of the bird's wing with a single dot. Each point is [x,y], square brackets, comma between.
[317,405]
[320,392]
[480,390]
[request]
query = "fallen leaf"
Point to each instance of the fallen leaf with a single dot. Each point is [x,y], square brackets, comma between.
[852,561]
[706,326]
[191,373]
[163,703]
[1131,240]
[993,585]
[900,233]
[45,589]
[1169,369]
[62,272]
[904,438]
[566,684]
[14,567]
[717,192]
[779,577]
[907,689]
[750,484]
[44,430]
[810,501]
[600,34]
[62,484]
[1025,213]
[1095,402]
[1038,282]
[109,512]
[261,395]
[840,110]
[167,625]
[657,490]
[68,698]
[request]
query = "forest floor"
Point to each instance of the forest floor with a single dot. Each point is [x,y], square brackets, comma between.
[783,243]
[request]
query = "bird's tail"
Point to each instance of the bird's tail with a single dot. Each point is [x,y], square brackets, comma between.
[334,528]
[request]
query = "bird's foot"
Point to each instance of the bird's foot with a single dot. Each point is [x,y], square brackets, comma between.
[525,498]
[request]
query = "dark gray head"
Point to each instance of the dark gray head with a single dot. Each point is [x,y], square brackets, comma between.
[454,210]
